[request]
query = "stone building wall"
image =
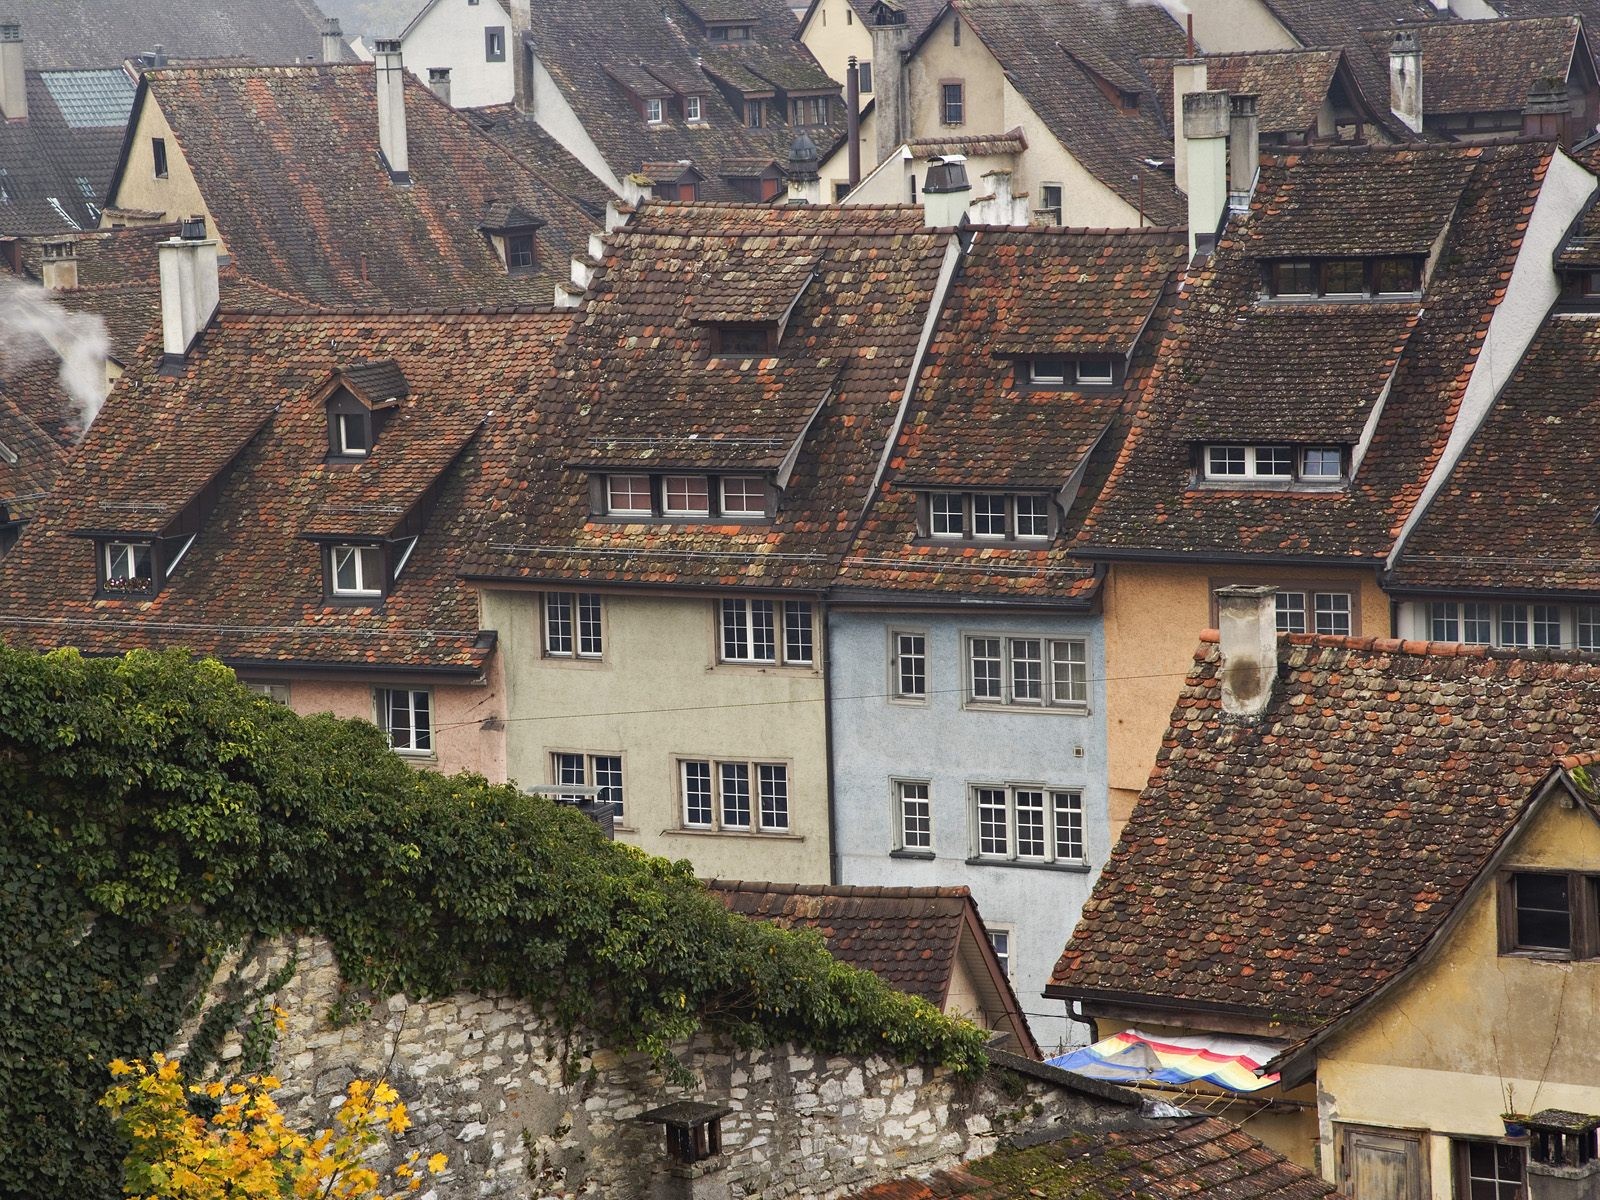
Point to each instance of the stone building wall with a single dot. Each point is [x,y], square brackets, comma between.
[523,1113]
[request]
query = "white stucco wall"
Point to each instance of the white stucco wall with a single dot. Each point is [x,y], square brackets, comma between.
[451,33]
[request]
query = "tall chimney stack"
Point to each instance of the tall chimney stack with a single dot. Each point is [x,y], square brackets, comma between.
[890,36]
[13,74]
[332,41]
[1244,150]
[1205,127]
[59,271]
[852,120]
[189,291]
[1188,75]
[391,74]
[1405,79]
[1247,622]
[439,82]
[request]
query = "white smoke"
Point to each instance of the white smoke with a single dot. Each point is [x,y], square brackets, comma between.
[33,326]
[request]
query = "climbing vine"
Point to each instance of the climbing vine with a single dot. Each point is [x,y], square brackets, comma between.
[158,813]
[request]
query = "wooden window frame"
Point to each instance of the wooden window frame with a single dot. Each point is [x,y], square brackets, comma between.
[960,86]
[752,766]
[1583,900]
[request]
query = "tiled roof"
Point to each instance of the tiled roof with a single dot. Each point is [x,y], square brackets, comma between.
[750,283]
[1518,511]
[528,141]
[587,47]
[118,279]
[1012,142]
[25,483]
[1019,291]
[1150,503]
[852,337]
[1487,66]
[907,936]
[55,166]
[101,33]
[287,160]
[1289,865]
[1052,50]
[1189,1158]
[1291,85]
[250,589]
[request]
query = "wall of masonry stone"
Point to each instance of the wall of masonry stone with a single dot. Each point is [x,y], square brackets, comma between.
[522,1112]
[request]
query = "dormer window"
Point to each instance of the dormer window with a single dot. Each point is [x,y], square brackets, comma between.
[809,110]
[728,33]
[691,109]
[629,495]
[685,496]
[1343,278]
[513,232]
[986,516]
[1276,464]
[1581,287]
[352,434]
[356,571]
[1082,372]
[519,253]
[127,568]
[653,111]
[736,340]
[752,113]
[359,399]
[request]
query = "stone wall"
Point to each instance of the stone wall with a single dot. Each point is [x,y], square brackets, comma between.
[522,1112]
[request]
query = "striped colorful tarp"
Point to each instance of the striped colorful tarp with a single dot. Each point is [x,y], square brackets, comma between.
[1133,1057]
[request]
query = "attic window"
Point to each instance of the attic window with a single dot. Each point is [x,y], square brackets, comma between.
[1343,278]
[1550,914]
[809,110]
[985,516]
[752,113]
[728,33]
[733,340]
[1083,372]
[356,572]
[520,257]
[653,114]
[691,109]
[351,433]
[1276,464]
[677,497]
[127,568]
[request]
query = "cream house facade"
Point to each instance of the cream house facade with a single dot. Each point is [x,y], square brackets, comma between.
[471,41]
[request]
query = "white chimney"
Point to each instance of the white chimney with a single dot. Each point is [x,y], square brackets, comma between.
[13,75]
[1247,622]
[1405,79]
[59,272]
[1002,206]
[1244,150]
[332,41]
[392,109]
[946,192]
[188,288]
[1188,75]
[439,82]
[1205,128]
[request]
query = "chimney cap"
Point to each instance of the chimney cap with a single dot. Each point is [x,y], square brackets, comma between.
[389,45]
[947,175]
[437,73]
[1404,42]
[1244,104]
[332,28]
[60,248]
[1205,115]
[192,229]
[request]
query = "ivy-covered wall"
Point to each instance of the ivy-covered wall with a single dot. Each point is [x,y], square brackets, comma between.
[158,815]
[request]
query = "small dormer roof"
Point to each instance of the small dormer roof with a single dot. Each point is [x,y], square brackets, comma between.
[502,217]
[637,81]
[743,286]
[377,384]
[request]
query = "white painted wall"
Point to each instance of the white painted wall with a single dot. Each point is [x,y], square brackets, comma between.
[450,33]
[556,117]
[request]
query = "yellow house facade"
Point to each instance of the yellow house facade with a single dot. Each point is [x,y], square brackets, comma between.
[155,182]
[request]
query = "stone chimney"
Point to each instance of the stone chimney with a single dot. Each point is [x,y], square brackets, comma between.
[332,41]
[1002,206]
[695,1160]
[60,269]
[804,181]
[13,74]
[188,289]
[1247,620]
[1188,75]
[1547,111]
[1561,1156]
[391,74]
[1205,127]
[1244,150]
[1405,79]
[890,37]
[439,82]
[946,192]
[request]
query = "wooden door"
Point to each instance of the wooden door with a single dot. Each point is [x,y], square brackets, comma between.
[1383,1164]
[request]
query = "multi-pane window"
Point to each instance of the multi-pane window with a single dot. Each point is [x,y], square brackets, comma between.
[810,110]
[1327,613]
[652,111]
[607,771]
[572,625]
[744,496]
[1024,671]
[406,715]
[990,516]
[601,771]
[1291,612]
[1546,625]
[1332,612]
[1088,372]
[913,816]
[952,103]
[1586,624]
[748,632]
[628,495]
[128,568]
[1514,624]
[519,252]
[357,570]
[1553,914]
[1315,463]
[686,496]
[1000,943]
[1028,823]
[1321,462]
[1475,627]
[1489,1171]
[568,770]
[910,666]
[691,108]
[1295,277]
[1343,278]
[718,795]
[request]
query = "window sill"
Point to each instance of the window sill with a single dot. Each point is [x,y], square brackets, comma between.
[1071,868]
[1551,956]
[765,668]
[914,855]
[570,660]
[734,833]
[1056,710]
[909,701]
[1245,483]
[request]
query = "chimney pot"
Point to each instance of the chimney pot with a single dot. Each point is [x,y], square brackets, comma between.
[391,80]
[60,268]
[13,73]
[332,41]
[439,82]
[1206,117]
[1247,622]
[946,192]
[1405,79]
[189,289]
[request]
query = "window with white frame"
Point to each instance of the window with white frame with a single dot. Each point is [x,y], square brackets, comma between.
[600,771]
[406,715]
[127,568]
[686,496]
[354,434]
[691,108]
[572,625]
[913,811]
[356,570]
[987,516]
[1027,672]
[652,111]
[748,632]
[736,797]
[1096,372]
[910,664]
[1318,612]
[744,496]
[1282,464]
[629,495]
[1514,624]
[1084,372]
[680,497]
[1000,941]
[1028,823]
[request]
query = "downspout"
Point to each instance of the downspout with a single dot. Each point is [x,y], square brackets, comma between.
[1075,1013]
[827,740]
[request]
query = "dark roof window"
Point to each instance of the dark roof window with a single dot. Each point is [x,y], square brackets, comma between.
[1343,278]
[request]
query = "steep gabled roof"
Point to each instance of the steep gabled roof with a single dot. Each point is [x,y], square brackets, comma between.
[1518,512]
[1488,66]
[1019,293]
[287,160]
[245,416]
[593,49]
[1139,1158]
[1286,867]
[1324,201]
[55,166]
[919,14]
[1055,51]
[841,368]
[1291,85]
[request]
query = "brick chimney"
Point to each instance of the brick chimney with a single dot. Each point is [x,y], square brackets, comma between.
[1405,79]
[189,289]
[439,82]
[890,37]
[13,74]
[946,192]
[60,269]
[1206,118]
[1247,620]
[332,41]
[391,74]
[1188,75]
[1244,150]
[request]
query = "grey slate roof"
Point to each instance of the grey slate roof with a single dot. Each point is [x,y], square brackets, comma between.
[56,165]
